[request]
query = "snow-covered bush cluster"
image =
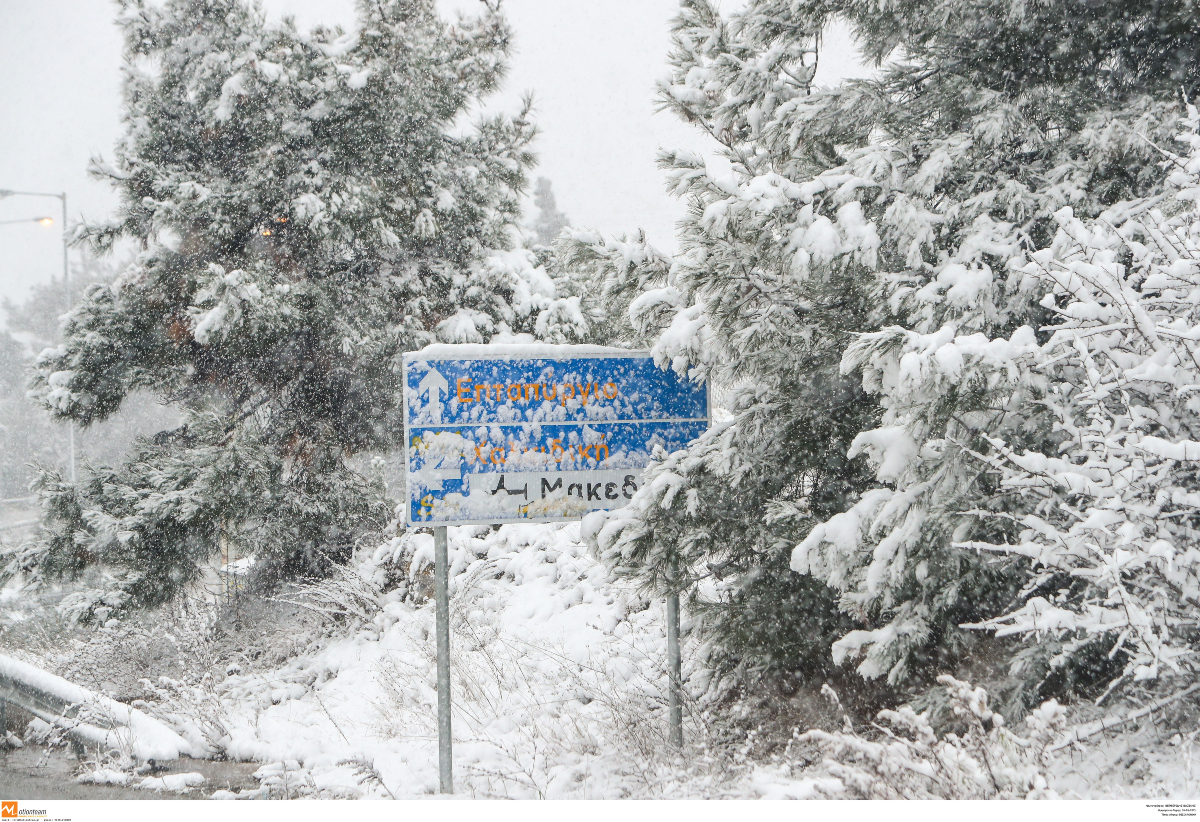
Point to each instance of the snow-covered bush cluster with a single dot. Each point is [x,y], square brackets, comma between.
[909,761]
[1088,429]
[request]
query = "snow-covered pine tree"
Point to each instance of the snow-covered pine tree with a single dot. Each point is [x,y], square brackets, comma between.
[549,221]
[894,199]
[1107,511]
[1069,123]
[739,308]
[580,306]
[308,208]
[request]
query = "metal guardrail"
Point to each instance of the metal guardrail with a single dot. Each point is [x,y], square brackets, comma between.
[45,706]
[89,719]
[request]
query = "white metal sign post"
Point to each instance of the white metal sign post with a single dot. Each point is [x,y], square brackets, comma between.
[534,433]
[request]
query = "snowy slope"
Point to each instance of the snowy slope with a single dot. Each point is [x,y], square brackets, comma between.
[558,677]
[559,692]
[555,671]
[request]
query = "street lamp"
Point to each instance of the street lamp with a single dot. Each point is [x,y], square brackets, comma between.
[8,192]
[42,220]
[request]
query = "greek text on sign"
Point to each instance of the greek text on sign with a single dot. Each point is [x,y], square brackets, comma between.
[536,433]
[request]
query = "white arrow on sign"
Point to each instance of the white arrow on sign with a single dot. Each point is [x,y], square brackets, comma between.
[434,385]
[432,478]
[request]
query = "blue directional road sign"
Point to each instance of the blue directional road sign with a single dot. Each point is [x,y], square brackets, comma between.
[536,433]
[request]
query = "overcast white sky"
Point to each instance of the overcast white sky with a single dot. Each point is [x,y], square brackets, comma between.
[591,65]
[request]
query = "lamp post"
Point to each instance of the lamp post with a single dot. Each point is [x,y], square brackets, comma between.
[42,220]
[8,192]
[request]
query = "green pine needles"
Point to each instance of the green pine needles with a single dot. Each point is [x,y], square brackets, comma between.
[307,209]
[823,214]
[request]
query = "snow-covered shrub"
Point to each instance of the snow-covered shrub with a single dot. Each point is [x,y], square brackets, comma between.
[906,759]
[196,708]
[1111,519]
[175,640]
[1088,443]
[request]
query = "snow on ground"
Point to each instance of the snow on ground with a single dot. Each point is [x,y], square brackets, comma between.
[559,688]
[558,683]
[559,691]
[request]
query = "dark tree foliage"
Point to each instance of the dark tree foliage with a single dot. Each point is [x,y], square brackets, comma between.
[895,200]
[307,208]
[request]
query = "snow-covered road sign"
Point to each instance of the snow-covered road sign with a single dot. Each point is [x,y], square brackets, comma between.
[536,433]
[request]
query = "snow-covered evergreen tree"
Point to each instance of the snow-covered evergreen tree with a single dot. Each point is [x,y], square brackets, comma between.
[826,212]
[548,221]
[308,208]
[28,436]
[1105,510]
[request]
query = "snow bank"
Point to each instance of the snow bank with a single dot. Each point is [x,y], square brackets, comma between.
[177,782]
[104,776]
[559,687]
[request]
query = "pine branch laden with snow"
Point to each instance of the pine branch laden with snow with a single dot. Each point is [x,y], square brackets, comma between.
[819,214]
[1104,510]
[624,284]
[308,207]
[906,759]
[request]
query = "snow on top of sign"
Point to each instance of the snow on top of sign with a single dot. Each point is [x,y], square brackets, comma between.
[516,351]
